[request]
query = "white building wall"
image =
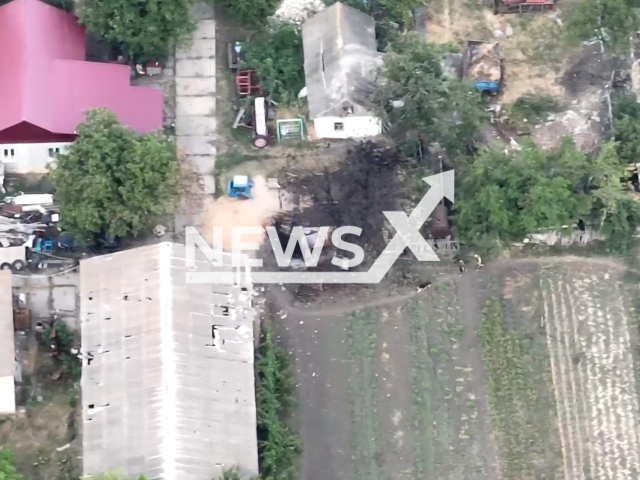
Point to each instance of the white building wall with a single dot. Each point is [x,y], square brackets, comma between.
[29,157]
[347,127]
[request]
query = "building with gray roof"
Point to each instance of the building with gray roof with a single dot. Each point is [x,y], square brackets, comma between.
[341,65]
[167,380]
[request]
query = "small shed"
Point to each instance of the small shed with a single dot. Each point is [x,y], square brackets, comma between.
[7,346]
[341,65]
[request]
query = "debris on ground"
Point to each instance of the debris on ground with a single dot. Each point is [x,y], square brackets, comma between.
[582,122]
[484,63]
[297,11]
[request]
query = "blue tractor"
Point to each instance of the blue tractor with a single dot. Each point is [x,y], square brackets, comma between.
[240,187]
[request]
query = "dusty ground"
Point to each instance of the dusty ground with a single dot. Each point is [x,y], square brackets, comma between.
[226,212]
[400,385]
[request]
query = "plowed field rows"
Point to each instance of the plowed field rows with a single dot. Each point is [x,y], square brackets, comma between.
[587,325]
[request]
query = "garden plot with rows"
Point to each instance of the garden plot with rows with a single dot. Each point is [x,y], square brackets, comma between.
[587,319]
[559,339]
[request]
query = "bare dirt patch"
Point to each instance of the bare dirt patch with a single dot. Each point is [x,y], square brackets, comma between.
[229,212]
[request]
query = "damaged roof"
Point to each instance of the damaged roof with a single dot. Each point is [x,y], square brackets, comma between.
[7,346]
[167,380]
[341,62]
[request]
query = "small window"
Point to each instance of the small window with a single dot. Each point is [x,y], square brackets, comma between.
[8,155]
[51,152]
[338,126]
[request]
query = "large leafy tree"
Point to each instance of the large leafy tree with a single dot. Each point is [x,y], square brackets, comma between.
[144,29]
[278,58]
[420,104]
[505,196]
[619,213]
[7,466]
[251,12]
[114,181]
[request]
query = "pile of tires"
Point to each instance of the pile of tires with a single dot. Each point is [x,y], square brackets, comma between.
[15,266]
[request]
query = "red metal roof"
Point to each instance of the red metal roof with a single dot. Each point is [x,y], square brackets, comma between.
[46,82]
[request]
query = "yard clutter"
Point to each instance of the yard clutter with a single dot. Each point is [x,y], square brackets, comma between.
[297,11]
[484,64]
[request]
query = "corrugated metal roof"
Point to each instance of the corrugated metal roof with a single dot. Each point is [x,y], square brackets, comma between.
[340,60]
[161,396]
[7,345]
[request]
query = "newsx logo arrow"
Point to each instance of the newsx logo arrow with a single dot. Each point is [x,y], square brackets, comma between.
[408,227]
[407,236]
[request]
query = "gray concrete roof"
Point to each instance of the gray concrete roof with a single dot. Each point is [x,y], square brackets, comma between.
[162,397]
[7,345]
[340,60]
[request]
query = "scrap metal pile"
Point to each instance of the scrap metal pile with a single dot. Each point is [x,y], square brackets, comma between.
[25,215]
[485,63]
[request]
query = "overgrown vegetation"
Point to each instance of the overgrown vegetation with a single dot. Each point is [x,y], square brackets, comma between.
[419,104]
[516,408]
[626,128]
[252,13]
[507,195]
[64,339]
[391,16]
[278,59]
[532,108]
[114,181]
[278,446]
[144,29]
[8,466]
[612,21]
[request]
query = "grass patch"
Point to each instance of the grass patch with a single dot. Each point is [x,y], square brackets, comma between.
[363,392]
[278,446]
[520,413]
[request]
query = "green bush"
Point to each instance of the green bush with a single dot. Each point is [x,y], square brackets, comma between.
[278,58]
[562,185]
[251,13]
[532,108]
[143,29]
[7,466]
[278,446]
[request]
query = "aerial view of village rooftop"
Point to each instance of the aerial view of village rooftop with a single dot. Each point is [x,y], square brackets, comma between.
[319,239]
